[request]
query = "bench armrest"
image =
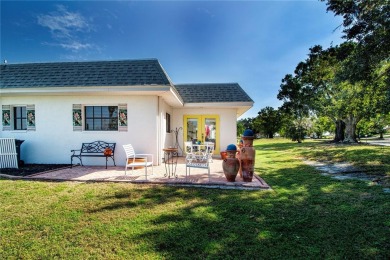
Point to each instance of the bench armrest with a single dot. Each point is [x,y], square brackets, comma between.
[74,152]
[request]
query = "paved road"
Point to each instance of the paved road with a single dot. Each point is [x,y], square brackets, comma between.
[384,142]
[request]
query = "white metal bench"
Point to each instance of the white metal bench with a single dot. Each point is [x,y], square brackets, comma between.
[197,160]
[8,154]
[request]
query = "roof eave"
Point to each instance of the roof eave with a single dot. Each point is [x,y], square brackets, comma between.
[241,107]
[173,98]
[220,104]
[84,89]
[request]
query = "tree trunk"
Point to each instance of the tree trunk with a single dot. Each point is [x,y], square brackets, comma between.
[350,129]
[339,132]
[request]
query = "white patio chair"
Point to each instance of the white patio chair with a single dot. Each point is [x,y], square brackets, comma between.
[190,155]
[209,150]
[131,156]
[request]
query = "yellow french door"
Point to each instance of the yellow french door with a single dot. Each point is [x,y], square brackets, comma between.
[203,128]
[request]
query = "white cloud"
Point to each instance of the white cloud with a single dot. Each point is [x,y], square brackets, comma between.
[63,23]
[66,28]
[76,46]
[206,11]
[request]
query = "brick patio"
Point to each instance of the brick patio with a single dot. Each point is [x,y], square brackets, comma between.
[198,178]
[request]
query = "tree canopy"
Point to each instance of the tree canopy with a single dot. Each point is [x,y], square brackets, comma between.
[366,22]
[269,121]
[347,83]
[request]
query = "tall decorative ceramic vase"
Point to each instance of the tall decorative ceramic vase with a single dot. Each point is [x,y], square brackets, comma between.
[247,156]
[231,164]
[247,140]
[238,155]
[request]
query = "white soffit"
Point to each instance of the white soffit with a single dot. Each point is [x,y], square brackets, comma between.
[112,90]
[241,107]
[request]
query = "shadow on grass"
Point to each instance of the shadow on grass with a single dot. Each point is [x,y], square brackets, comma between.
[371,159]
[306,216]
[367,155]
[282,146]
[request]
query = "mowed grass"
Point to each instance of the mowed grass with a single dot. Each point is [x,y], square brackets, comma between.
[305,216]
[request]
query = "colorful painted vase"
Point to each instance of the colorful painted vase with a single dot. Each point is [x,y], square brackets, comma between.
[247,156]
[239,145]
[231,164]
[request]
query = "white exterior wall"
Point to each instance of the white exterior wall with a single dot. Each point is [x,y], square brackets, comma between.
[167,139]
[54,137]
[227,121]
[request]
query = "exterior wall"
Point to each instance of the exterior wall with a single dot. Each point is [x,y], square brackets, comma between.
[54,136]
[167,139]
[227,120]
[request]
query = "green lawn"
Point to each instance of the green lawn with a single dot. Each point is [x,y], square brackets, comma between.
[306,215]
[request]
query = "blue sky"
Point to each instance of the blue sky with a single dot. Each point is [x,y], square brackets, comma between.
[253,43]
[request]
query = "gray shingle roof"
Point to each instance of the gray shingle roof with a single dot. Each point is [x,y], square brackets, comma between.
[212,93]
[94,73]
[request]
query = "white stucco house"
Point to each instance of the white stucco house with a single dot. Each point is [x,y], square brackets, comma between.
[55,107]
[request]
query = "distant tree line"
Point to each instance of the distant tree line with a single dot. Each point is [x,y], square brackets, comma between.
[344,89]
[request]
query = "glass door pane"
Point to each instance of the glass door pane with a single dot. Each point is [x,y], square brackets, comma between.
[210,125]
[210,130]
[192,129]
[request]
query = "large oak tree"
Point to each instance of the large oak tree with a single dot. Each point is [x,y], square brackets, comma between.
[320,85]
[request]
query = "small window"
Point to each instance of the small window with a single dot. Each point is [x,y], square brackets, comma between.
[168,122]
[20,118]
[101,118]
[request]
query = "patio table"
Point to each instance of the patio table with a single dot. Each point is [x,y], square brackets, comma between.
[170,161]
